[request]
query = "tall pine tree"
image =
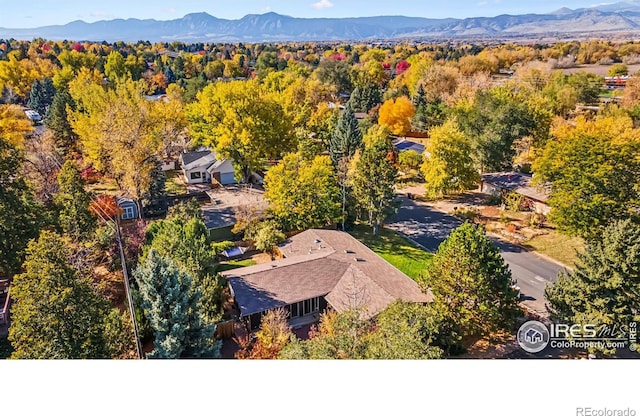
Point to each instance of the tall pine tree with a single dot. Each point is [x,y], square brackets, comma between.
[471,284]
[58,123]
[605,286]
[73,202]
[174,311]
[347,137]
[41,95]
[372,181]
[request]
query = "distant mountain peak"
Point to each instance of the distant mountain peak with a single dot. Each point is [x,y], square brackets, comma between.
[269,27]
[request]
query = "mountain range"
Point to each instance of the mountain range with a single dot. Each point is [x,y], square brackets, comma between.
[202,27]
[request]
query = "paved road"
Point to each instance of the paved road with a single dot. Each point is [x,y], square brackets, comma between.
[430,227]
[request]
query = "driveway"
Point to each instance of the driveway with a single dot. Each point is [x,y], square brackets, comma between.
[429,227]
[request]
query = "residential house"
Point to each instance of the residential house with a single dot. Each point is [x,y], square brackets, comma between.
[502,182]
[129,208]
[320,269]
[404,145]
[203,166]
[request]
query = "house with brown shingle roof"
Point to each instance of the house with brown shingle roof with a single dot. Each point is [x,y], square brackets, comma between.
[321,269]
[499,183]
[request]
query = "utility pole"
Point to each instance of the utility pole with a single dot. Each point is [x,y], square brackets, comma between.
[128,291]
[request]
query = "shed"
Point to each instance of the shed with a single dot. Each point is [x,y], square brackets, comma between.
[129,208]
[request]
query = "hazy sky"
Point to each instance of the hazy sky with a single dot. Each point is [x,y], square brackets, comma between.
[35,13]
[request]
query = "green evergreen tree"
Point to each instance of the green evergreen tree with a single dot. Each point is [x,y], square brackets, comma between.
[20,217]
[605,286]
[73,203]
[58,123]
[41,95]
[420,98]
[174,311]
[56,314]
[346,138]
[373,182]
[472,284]
[184,239]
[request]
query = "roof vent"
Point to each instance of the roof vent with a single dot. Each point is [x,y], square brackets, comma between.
[358,259]
[274,265]
[317,241]
[349,252]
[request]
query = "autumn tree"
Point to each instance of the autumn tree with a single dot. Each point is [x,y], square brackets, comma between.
[273,335]
[448,166]
[397,115]
[20,217]
[303,194]
[605,285]
[471,282]
[495,121]
[14,125]
[73,202]
[122,133]
[56,314]
[339,336]
[242,122]
[372,179]
[173,310]
[266,237]
[404,331]
[593,169]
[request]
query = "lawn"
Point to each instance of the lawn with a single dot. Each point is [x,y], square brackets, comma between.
[396,249]
[557,246]
[233,264]
[174,183]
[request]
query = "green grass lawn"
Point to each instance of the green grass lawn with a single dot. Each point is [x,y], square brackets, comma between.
[233,264]
[105,186]
[175,183]
[557,246]
[396,249]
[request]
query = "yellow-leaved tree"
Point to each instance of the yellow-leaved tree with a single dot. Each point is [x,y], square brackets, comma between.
[123,134]
[243,122]
[397,114]
[14,125]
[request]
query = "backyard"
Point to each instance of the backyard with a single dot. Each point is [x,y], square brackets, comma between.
[174,183]
[394,248]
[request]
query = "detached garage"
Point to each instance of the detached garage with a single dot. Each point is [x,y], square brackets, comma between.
[222,172]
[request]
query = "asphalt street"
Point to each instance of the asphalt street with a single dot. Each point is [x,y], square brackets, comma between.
[429,227]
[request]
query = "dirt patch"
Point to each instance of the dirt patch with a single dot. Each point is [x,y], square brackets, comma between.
[261,258]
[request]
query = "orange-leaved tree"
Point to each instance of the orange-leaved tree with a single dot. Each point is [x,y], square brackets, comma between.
[397,114]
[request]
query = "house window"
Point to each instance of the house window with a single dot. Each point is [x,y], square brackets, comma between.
[196,175]
[128,213]
[305,307]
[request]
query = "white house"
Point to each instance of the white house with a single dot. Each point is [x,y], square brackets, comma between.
[203,166]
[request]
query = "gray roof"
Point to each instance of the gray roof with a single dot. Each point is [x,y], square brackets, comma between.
[190,157]
[404,145]
[518,182]
[325,263]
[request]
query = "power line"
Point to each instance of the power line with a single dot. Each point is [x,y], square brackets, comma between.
[108,221]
